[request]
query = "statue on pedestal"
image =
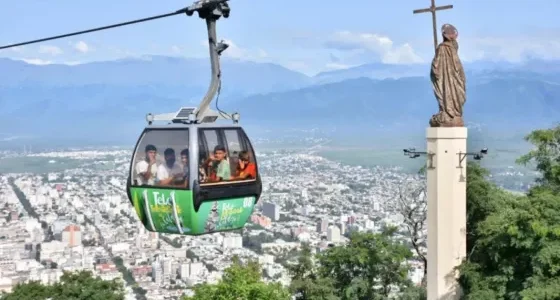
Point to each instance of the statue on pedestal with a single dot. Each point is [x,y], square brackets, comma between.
[448,81]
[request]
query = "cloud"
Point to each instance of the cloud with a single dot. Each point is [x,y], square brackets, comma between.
[18,49]
[82,47]
[51,50]
[337,66]
[176,49]
[72,63]
[370,43]
[510,48]
[261,53]
[37,61]
[298,66]
[237,52]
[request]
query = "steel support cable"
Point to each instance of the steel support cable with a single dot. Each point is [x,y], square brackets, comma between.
[181,11]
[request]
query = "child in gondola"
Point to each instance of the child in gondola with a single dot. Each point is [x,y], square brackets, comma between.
[245,168]
[219,166]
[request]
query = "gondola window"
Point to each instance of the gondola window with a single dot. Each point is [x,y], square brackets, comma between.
[161,159]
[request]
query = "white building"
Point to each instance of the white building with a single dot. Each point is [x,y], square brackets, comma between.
[157,272]
[333,234]
[232,242]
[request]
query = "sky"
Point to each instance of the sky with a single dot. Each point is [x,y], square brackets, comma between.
[308,36]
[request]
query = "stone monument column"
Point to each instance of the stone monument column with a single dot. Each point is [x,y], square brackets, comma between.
[447,209]
[446,171]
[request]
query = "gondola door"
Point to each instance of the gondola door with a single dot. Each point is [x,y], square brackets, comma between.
[226,203]
[157,187]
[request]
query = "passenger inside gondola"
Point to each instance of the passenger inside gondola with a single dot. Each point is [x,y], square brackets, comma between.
[169,173]
[202,170]
[219,166]
[146,169]
[185,166]
[245,168]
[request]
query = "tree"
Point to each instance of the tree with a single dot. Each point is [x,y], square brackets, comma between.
[483,199]
[517,251]
[76,286]
[546,155]
[513,241]
[412,204]
[241,281]
[371,266]
[28,291]
[306,283]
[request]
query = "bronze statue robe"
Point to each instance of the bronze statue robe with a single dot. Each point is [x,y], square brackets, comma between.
[449,84]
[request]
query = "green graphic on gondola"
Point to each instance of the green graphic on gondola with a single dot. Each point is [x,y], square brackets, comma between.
[155,209]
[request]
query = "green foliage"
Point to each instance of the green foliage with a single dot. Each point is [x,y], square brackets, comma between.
[241,281]
[72,286]
[414,293]
[517,251]
[371,266]
[29,291]
[546,156]
[306,283]
[483,199]
[514,241]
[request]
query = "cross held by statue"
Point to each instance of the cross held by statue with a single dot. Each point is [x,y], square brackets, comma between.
[433,8]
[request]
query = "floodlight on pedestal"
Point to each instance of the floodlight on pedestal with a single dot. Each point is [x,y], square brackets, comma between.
[475,155]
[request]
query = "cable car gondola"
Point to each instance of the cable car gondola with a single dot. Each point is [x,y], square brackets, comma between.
[184,176]
[191,175]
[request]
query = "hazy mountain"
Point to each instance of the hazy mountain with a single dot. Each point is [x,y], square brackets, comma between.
[383,71]
[498,102]
[374,71]
[239,77]
[108,100]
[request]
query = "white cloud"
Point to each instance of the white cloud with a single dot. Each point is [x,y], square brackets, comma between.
[402,54]
[512,48]
[73,63]
[82,47]
[18,49]
[380,45]
[52,50]
[176,49]
[261,53]
[298,66]
[36,61]
[237,52]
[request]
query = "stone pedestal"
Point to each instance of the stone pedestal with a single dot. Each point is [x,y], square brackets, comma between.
[447,208]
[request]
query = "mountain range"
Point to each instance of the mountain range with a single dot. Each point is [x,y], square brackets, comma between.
[110,99]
